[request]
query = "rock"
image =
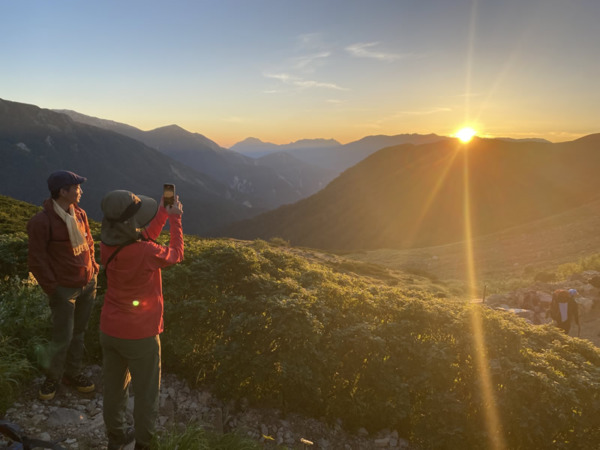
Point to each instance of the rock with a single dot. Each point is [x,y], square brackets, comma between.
[65,416]
[585,305]
[384,442]
[545,297]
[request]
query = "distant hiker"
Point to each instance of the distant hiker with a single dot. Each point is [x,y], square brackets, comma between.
[61,258]
[132,316]
[564,309]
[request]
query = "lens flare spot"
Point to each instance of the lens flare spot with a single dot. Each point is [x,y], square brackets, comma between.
[135,303]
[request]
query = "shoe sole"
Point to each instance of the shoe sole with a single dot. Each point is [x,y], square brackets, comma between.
[46,396]
[82,389]
[86,389]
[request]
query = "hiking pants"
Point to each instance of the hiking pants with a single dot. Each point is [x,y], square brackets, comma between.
[138,361]
[71,309]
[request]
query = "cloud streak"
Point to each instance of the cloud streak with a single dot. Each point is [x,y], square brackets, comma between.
[301,83]
[365,50]
[308,61]
[425,112]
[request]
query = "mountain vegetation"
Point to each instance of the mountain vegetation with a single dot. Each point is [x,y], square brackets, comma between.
[412,196]
[308,332]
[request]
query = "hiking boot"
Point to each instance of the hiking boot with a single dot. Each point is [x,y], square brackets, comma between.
[80,382]
[129,437]
[48,389]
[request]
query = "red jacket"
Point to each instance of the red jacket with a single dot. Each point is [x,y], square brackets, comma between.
[133,303]
[50,258]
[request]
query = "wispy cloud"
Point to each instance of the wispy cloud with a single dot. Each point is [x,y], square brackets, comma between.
[302,83]
[307,62]
[425,112]
[365,50]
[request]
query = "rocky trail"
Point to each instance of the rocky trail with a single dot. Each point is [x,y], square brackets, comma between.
[75,420]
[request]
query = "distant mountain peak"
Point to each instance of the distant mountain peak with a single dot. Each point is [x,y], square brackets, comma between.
[252,140]
[174,128]
[313,143]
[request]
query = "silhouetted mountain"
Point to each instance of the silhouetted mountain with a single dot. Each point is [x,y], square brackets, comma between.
[303,176]
[330,154]
[437,193]
[34,142]
[264,186]
[256,148]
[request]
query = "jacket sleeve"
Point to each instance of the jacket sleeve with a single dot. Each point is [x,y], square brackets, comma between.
[167,256]
[153,230]
[90,242]
[38,230]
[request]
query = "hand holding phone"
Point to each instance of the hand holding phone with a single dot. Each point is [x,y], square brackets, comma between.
[168,194]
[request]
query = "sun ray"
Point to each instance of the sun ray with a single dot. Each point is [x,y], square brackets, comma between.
[492,419]
[431,198]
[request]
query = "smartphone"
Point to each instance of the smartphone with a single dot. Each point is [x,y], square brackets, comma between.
[168,194]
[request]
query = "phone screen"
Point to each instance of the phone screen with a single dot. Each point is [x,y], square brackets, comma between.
[168,194]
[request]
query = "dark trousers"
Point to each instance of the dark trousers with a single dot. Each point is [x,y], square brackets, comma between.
[138,361]
[71,309]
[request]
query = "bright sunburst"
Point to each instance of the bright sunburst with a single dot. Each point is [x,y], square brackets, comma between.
[465,134]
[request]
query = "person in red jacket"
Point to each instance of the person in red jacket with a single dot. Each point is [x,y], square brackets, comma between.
[132,315]
[61,258]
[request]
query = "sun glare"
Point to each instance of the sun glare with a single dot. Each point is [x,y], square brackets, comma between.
[465,134]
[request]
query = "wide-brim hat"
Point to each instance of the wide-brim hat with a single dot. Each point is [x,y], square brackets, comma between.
[124,214]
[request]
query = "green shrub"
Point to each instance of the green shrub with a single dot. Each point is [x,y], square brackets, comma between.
[257,322]
[24,314]
[545,277]
[564,271]
[14,369]
[590,263]
[279,242]
[13,255]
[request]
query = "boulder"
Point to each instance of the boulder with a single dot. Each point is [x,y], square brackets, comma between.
[585,305]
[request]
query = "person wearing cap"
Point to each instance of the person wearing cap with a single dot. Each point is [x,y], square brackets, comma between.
[61,258]
[132,315]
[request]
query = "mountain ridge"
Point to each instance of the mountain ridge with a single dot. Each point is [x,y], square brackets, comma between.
[411,196]
[262,184]
[35,142]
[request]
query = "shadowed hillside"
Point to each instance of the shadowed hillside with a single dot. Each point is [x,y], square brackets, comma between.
[35,142]
[418,196]
[264,184]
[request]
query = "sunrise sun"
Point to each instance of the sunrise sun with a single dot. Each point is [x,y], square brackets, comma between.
[465,134]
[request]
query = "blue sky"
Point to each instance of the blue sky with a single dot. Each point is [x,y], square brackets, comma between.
[283,70]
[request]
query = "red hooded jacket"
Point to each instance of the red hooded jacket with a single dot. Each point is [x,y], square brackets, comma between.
[133,303]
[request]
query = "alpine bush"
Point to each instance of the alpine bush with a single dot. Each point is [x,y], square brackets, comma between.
[257,322]
[14,369]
